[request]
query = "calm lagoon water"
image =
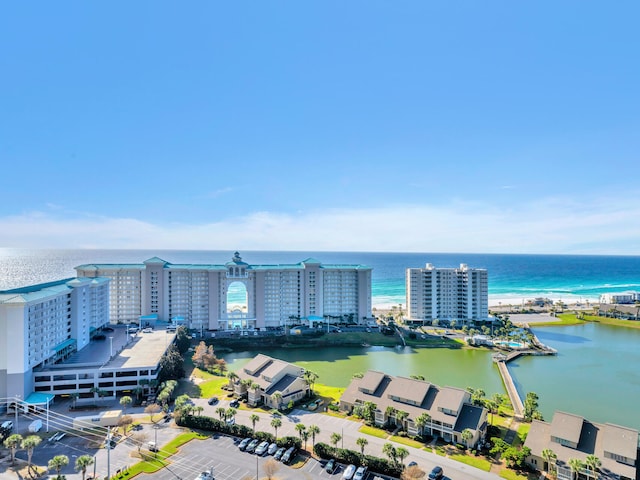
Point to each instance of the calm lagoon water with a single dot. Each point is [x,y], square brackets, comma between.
[596,373]
[335,366]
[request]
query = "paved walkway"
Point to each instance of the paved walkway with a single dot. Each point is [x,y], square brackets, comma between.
[516,401]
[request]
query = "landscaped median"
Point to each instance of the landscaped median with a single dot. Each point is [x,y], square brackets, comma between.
[152,462]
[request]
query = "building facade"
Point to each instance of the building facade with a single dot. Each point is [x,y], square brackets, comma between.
[269,381]
[42,325]
[571,437]
[447,411]
[460,294]
[236,295]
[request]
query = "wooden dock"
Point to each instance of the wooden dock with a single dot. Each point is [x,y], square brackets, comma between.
[502,359]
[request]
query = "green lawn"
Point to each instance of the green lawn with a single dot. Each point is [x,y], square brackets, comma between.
[476,462]
[327,392]
[407,441]
[373,431]
[213,386]
[572,319]
[511,475]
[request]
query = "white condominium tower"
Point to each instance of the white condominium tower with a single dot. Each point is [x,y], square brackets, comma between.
[42,325]
[236,295]
[459,294]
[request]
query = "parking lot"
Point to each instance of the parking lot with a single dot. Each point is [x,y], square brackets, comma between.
[230,463]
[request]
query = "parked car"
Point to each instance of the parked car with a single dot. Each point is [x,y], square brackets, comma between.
[231,421]
[147,330]
[262,448]
[412,464]
[361,472]
[436,473]
[234,404]
[213,400]
[206,475]
[252,446]
[330,466]
[349,472]
[288,455]
[273,448]
[244,443]
[279,453]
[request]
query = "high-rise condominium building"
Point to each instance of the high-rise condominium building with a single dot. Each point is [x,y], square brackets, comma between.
[459,294]
[236,295]
[41,325]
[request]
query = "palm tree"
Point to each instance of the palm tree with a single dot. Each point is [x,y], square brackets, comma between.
[300,427]
[549,457]
[230,413]
[57,463]
[402,453]
[305,436]
[12,442]
[422,420]
[335,438]
[276,423]
[390,412]
[575,465]
[254,418]
[29,444]
[401,416]
[390,451]
[310,379]
[492,406]
[593,463]
[198,410]
[221,412]
[467,435]
[82,462]
[313,431]
[232,377]
[125,402]
[362,442]
[74,396]
[277,399]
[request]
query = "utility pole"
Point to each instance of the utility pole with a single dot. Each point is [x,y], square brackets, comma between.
[108,453]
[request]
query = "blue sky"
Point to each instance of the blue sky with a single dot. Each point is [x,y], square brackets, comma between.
[364,125]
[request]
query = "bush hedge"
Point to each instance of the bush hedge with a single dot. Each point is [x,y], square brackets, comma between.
[375,464]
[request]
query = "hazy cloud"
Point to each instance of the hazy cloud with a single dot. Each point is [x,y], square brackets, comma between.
[551,225]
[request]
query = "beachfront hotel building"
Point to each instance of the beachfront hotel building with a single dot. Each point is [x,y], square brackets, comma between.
[44,324]
[449,409]
[460,294]
[571,436]
[202,296]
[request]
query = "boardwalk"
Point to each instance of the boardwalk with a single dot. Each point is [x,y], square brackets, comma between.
[516,401]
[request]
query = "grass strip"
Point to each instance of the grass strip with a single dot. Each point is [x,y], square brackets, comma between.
[476,462]
[373,431]
[407,441]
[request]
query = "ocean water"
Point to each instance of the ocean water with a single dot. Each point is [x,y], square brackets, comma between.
[512,278]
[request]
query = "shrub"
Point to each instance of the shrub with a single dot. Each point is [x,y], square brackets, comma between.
[289,442]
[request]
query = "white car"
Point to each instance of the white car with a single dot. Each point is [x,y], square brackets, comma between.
[262,448]
[348,472]
[273,448]
[360,473]
[206,475]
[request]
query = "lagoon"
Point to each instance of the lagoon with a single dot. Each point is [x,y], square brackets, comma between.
[595,373]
